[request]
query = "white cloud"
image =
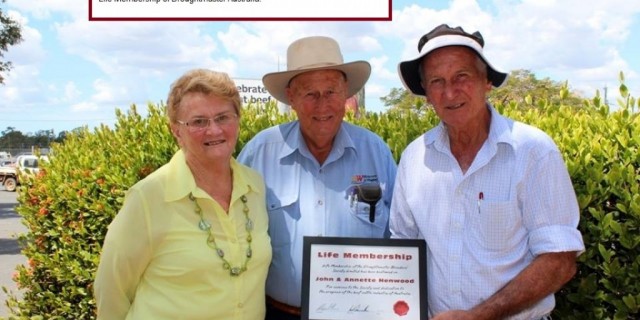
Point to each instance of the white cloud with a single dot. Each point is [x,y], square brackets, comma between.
[107,92]
[84,107]
[44,9]
[22,88]
[141,49]
[22,84]
[71,91]
[133,59]
[379,71]
[571,39]
[374,90]
[260,47]
[251,51]
[29,50]
[369,43]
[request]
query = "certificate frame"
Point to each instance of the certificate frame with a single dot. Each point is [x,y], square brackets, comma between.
[364,278]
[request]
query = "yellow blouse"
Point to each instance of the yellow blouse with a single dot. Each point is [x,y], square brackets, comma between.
[156,264]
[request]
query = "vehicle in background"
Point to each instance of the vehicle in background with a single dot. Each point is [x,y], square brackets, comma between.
[24,164]
[4,155]
[7,162]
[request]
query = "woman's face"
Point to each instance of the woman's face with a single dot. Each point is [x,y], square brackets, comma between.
[207,128]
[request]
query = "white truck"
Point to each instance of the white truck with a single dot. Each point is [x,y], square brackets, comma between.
[25,164]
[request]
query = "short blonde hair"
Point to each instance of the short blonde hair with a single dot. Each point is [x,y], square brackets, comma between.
[205,81]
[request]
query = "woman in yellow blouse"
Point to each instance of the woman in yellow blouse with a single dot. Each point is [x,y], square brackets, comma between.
[190,241]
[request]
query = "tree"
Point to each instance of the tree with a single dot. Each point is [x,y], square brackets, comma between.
[523,88]
[10,34]
[401,99]
[9,130]
[13,139]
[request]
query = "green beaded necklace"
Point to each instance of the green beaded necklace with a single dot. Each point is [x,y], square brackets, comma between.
[205,226]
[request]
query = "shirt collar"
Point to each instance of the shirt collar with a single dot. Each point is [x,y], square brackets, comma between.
[294,141]
[500,128]
[180,182]
[499,131]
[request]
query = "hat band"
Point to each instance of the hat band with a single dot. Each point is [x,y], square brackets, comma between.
[449,40]
[316,65]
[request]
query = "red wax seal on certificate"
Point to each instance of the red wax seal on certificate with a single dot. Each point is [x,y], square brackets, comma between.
[401,308]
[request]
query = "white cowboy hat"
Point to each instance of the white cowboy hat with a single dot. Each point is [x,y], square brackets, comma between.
[316,53]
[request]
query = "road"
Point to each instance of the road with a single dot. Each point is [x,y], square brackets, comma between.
[10,257]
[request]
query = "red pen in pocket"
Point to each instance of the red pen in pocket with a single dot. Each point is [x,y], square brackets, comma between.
[480,198]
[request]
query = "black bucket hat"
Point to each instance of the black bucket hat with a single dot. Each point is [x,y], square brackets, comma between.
[444,36]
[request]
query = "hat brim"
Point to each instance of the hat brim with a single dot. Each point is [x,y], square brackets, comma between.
[409,70]
[357,74]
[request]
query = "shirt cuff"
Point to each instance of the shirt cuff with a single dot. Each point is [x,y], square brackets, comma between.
[556,238]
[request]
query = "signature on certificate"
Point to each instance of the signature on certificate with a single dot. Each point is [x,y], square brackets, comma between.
[327,307]
[359,308]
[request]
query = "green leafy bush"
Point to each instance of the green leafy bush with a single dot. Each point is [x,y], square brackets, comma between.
[601,150]
[68,207]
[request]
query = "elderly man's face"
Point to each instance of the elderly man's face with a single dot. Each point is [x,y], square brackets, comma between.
[456,85]
[318,98]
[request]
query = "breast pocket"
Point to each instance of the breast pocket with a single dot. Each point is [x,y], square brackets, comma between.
[283,215]
[360,211]
[497,224]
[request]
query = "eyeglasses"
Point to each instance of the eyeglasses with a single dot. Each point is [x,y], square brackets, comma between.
[220,120]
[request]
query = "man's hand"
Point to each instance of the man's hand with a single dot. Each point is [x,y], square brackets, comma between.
[545,275]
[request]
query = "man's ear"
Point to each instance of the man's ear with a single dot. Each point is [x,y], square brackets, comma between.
[426,97]
[290,94]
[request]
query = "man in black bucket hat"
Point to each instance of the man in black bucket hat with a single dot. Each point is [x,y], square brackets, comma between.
[491,196]
[443,36]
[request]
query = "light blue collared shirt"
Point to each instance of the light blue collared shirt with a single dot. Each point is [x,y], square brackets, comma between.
[485,226]
[305,198]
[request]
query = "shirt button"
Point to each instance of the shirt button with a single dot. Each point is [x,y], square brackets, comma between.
[240,305]
[319,202]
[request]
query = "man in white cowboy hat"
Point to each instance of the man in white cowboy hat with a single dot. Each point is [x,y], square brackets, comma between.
[313,167]
[491,196]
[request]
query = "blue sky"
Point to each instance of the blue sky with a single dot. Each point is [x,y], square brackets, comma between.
[71,72]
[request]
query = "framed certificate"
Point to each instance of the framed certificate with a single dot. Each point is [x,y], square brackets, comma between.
[363,278]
